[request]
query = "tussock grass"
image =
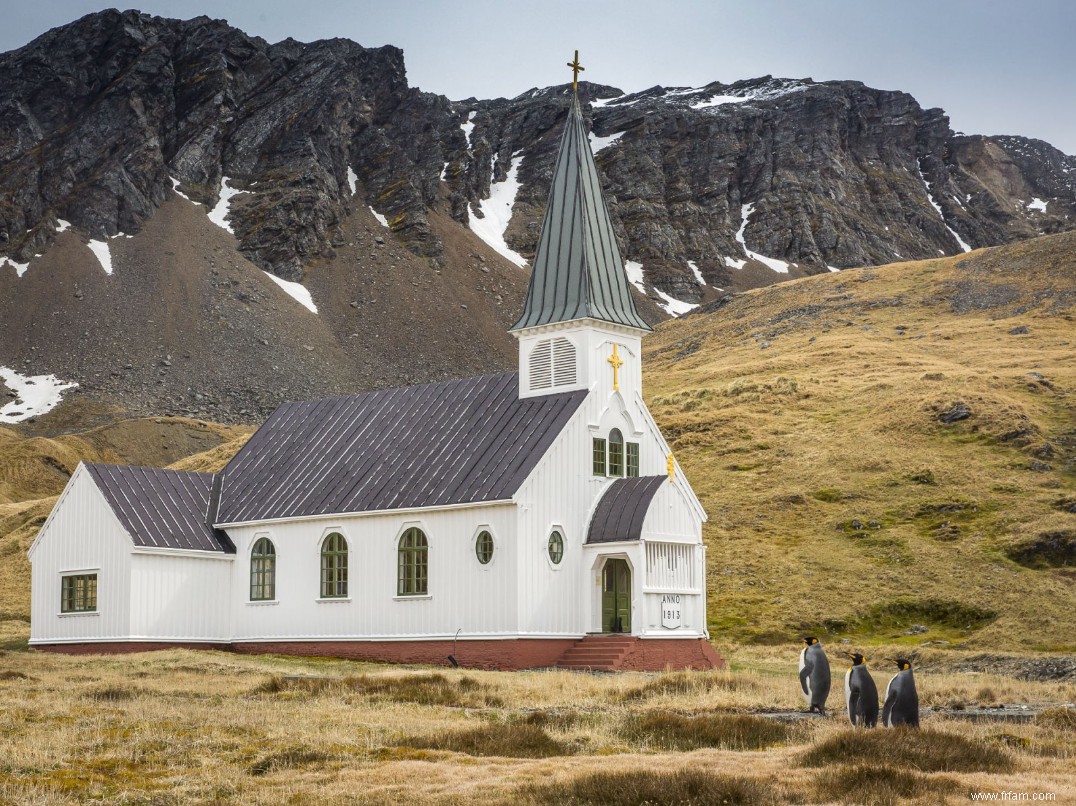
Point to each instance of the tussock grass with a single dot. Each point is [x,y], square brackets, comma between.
[879,784]
[289,758]
[115,693]
[668,731]
[926,750]
[498,739]
[422,689]
[1057,718]
[11,674]
[651,788]
[689,684]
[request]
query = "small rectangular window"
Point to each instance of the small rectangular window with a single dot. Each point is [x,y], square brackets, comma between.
[78,593]
[599,456]
[633,458]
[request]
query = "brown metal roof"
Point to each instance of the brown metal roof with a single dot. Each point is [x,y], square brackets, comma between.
[161,508]
[455,442]
[621,511]
[578,271]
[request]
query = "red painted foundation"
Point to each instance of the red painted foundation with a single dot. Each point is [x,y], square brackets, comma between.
[508,655]
[657,655]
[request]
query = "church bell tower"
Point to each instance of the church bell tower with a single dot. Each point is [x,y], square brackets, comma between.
[579,328]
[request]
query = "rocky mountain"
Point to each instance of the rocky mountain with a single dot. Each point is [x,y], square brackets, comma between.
[300,221]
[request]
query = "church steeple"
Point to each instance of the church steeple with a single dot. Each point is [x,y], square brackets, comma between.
[578,272]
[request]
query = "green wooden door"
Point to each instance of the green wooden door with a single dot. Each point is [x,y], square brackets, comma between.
[616,596]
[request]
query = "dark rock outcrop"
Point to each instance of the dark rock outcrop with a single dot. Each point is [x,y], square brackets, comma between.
[98,117]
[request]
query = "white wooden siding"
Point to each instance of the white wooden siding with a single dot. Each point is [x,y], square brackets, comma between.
[463,594]
[177,597]
[82,536]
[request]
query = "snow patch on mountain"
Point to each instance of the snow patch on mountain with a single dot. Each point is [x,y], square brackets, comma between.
[941,215]
[1037,204]
[773,263]
[62,226]
[380,218]
[20,268]
[599,143]
[219,214]
[102,253]
[468,127]
[297,291]
[695,270]
[35,395]
[635,275]
[177,191]
[352,179]
[497,212]
[674,306]
[734,264]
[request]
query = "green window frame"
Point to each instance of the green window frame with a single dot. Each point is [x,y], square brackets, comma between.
[632,452]
[616,453]
[334,566]
[599,456]
[78,593]
[556,547]
[483,547]
[263,571]
[413,566]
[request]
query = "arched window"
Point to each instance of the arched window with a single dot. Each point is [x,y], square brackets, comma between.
[334,567]
[616,453]
[412,578]
[483,547]
[556,547]
[263,571]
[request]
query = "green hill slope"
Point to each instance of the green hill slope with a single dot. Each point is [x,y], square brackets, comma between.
[886,450]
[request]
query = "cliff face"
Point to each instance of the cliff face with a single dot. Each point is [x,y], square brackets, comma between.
[717,188]
[820,175]
[98,117]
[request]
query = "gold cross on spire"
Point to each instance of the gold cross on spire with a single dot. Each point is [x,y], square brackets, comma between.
[577,68]
[616,361]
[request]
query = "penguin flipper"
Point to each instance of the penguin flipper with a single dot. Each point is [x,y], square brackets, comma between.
[805,679]
[853,703]
[887,709]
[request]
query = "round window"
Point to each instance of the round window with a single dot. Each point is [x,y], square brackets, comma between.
[483,547]
[556,548]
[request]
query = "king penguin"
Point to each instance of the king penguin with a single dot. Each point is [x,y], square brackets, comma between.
[814,675]
[901,698]
[860,693]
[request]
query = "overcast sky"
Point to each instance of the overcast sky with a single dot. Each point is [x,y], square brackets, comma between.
[996,66]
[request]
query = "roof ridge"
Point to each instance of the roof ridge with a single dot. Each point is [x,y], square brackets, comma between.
[148,467]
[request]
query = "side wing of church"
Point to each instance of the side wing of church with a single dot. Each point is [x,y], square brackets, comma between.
[525,519]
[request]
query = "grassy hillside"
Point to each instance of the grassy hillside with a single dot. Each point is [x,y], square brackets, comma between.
[810,418]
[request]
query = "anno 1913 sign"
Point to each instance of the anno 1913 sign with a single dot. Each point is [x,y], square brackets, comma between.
[670,611]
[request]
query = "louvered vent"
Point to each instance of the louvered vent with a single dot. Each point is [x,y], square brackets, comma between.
[552,363]
[542,365]
[563,362]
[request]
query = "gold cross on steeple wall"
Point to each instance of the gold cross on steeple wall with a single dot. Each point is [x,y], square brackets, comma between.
[616,361]
[577,68]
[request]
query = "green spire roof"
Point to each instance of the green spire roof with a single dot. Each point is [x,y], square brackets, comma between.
[578,271]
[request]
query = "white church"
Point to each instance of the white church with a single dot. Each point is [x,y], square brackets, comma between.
[523,519]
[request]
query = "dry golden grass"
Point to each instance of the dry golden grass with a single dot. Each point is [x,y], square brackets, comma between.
[199,727]
[806,417]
